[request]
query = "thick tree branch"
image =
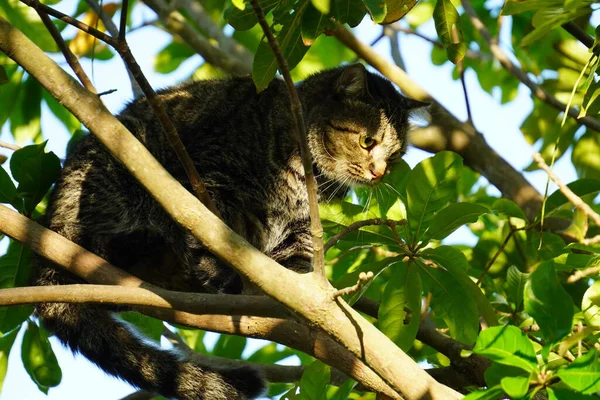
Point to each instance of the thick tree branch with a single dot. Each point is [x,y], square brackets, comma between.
[177,24]
[292,334]
[521,75]
[308,296]
[448,133]
[316,229]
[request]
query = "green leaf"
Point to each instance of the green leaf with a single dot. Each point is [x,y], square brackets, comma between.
[38,358]
[515,285]
[430,186]
[323,6]
[549,21]
[8,93]
[455,263]
[349,12]
[36,171]
[289,38]
[314,381]
[512,7]
[564,394]
[230,346]
[448,27]
[508,208]
[455,307]
[452,217]
[515,386]
[496,372]
[549,303]
[507,345]
[581,187]
[25,118]
[8,191]
[15,270]
[400,310]
[151,328]
[492,393]
[585,156]
[71,123]
[28,22]
[172,56]
[344,391]
[245,19]
[590,305]
[6,342]
[313,24]
[583,374]
[388,11]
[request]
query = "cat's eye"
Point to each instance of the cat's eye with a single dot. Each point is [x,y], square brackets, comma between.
[366,142]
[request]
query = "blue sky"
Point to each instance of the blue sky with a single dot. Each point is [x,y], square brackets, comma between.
[499,124]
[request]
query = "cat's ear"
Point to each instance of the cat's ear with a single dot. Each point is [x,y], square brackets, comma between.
[413,104]
[353,80]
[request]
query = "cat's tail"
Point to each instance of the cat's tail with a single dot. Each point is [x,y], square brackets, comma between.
[111,344]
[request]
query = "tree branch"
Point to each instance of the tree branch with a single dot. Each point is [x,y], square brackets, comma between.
[536,90]
[67,53]
[572,197]
[392,224]
[114,31]
[197,303]
[203,21]
[312,302]
[316,229]
[125,52]
[448,133]
[177,24]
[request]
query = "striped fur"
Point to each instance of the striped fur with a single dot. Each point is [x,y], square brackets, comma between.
[243,146]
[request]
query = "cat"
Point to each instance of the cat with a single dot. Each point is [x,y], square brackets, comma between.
[244,148]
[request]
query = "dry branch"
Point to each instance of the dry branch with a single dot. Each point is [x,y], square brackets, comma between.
[309,297]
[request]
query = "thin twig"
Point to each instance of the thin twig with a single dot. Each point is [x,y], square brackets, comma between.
[363,278]
[392,35]
[9,146]
[580,35]
[36,5]
[67,53]
[461,70]
[311,184]
[123,25]
[583,273]
[114,32]
[409,31]
[360,224]
[521,75]
[572,197]
[493,259]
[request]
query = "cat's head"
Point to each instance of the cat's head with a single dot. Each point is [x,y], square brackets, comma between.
[357,124]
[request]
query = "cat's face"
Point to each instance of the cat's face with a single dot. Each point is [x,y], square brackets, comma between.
[358,129]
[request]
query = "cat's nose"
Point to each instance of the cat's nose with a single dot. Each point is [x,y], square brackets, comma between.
[377,173]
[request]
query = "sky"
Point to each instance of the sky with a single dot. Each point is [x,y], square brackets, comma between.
[499,125]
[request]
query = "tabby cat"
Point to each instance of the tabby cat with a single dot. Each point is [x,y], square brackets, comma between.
[243,146]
